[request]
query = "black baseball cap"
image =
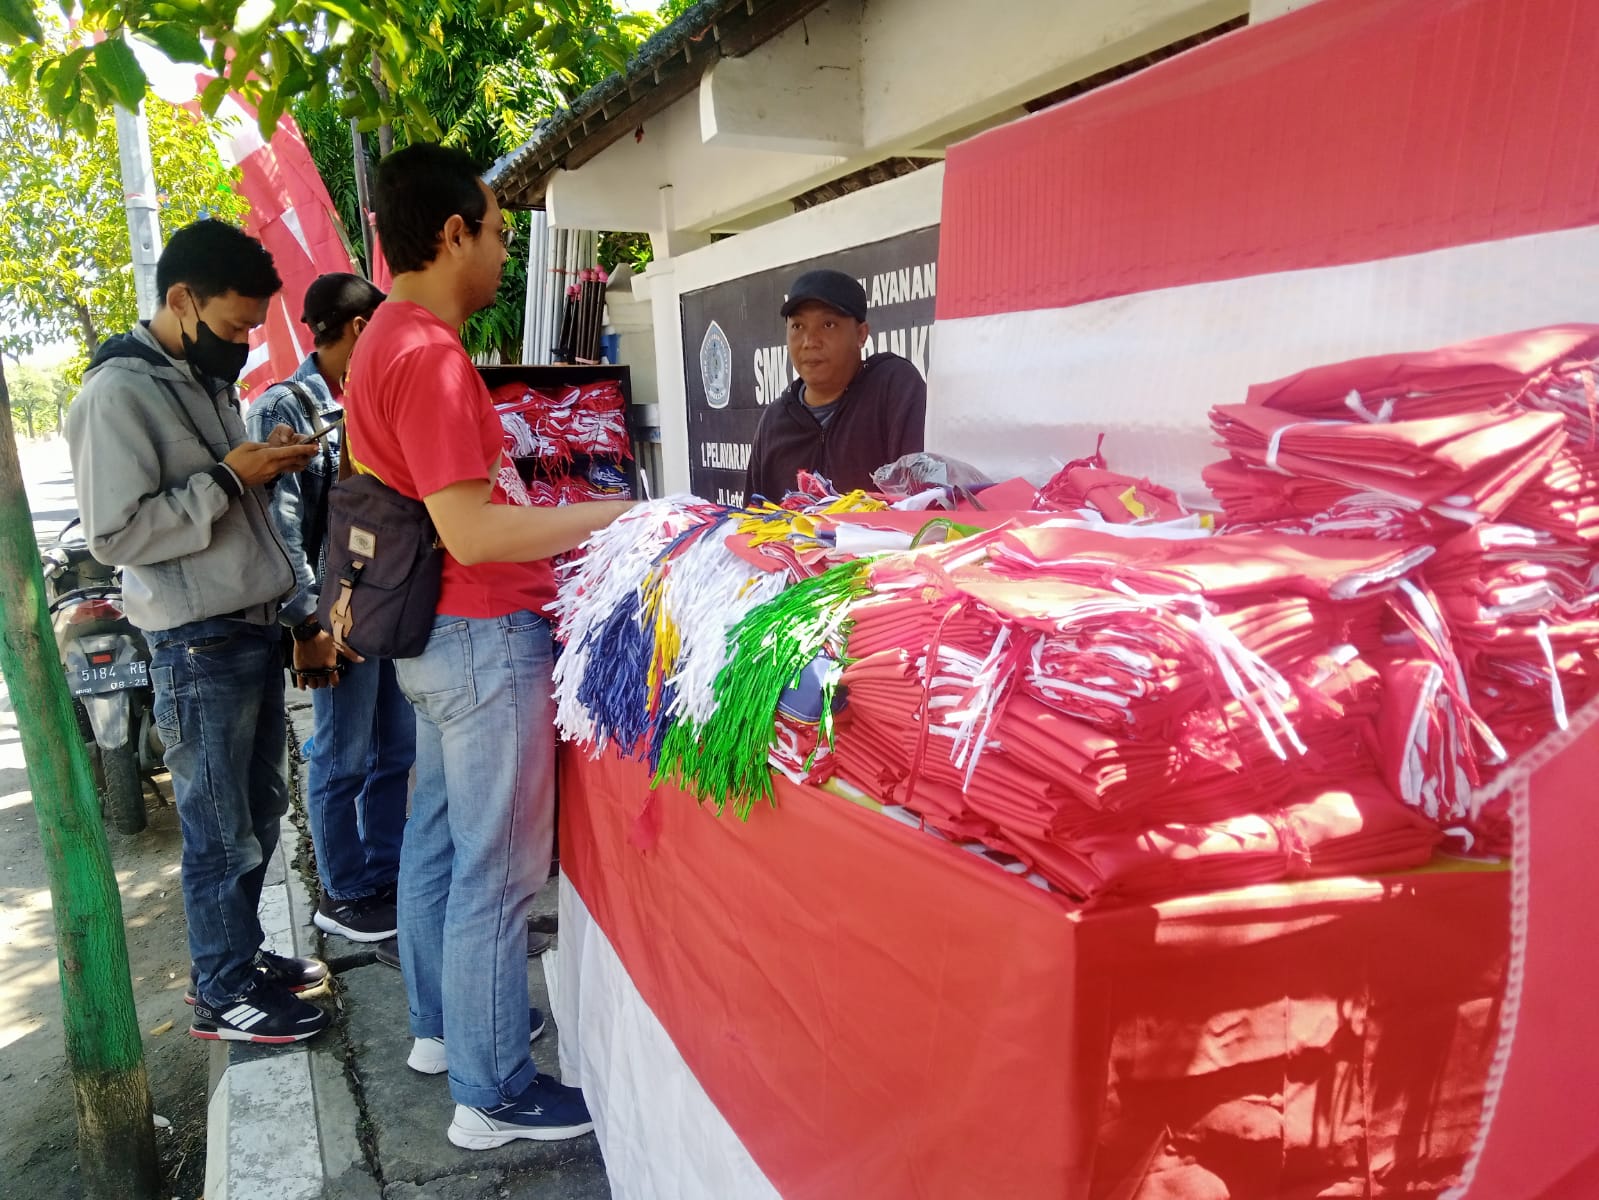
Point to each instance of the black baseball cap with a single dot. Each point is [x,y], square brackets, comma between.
[334,299]
[832,288]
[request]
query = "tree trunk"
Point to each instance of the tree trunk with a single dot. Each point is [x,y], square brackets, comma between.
[116,1136]
[91,336]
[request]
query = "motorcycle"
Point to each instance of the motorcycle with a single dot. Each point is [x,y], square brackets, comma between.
[107,665]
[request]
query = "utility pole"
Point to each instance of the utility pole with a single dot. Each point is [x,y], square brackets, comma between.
[363,193]
[116,1133]
[138,191]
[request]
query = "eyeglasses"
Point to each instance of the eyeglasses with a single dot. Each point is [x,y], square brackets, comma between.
[507,233]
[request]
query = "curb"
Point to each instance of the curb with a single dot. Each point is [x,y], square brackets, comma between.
[281,1122]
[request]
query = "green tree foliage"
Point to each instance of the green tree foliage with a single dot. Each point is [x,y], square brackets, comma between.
[65,258]
[486,89]
[358,54]
[32,400]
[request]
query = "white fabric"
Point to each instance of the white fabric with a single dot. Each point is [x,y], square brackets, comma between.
[1015,393]
[662,1137]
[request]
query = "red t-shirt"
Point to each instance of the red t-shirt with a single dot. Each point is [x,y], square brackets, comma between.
[419,417]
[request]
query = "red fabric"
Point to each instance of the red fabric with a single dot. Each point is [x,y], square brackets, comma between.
[1474,461]
[1120,499]
[1542,1141]
[1130,188]
[877,1013]
[420,419]
[294,218]
[382,277]
[1465,377]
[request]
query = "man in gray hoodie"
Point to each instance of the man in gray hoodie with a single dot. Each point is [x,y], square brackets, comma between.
[170,490]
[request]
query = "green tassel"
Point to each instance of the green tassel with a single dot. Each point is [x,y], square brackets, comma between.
[725,759]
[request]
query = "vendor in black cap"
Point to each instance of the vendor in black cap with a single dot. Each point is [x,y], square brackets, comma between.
[844,416]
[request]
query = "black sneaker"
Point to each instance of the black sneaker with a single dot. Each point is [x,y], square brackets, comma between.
[265,1013]
[366,920]
[546,1111]
[295,974]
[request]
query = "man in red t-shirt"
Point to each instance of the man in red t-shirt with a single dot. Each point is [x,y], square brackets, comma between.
[479,838]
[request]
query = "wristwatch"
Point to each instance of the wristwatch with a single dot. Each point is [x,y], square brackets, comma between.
[306,629]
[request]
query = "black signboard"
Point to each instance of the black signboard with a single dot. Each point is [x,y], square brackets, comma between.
[735,354]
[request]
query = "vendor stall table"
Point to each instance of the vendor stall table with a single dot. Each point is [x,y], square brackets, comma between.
[875,1013]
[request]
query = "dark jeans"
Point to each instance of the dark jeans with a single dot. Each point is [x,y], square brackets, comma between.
[357,780]
[219,707]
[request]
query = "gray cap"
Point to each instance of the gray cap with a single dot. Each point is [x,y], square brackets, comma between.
[832,288]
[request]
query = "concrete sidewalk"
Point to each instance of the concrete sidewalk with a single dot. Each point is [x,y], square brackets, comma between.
[342,1115]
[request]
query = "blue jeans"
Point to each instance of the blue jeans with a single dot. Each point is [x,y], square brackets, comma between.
[360,768]
[478,843]
[219,708]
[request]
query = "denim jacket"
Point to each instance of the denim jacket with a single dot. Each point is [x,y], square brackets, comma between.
[299,499]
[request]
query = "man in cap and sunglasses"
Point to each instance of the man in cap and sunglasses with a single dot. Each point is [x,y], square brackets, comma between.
[844,416]
[364,743]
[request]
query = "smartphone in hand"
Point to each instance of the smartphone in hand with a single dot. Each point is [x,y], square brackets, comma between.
[319,434]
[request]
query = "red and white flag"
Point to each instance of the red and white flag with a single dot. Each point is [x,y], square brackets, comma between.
[294,218]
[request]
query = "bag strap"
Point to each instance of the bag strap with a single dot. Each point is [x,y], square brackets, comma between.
[341,619]
[302,392]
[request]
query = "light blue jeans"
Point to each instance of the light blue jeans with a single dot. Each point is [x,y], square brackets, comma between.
[360,768]
[478,843]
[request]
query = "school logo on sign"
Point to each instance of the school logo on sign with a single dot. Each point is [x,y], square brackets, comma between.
[716,366]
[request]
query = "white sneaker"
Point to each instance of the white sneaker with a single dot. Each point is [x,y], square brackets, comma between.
[427,1054]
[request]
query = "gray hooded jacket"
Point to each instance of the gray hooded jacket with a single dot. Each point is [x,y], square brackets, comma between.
[147,442]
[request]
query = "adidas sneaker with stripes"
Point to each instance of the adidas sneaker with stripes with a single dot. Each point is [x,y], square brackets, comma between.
[265,1013]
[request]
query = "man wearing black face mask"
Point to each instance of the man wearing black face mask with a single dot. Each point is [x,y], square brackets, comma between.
[170,490]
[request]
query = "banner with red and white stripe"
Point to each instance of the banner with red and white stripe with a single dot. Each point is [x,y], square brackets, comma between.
[1353,178]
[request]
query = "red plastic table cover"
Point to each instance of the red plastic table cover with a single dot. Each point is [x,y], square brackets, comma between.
[877,1013]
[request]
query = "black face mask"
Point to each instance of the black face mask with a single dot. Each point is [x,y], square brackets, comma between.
[212,355]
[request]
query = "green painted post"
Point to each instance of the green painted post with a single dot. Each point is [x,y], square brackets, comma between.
[116,1136]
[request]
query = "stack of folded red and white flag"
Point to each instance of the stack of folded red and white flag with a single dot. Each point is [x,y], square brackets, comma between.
[1132,715]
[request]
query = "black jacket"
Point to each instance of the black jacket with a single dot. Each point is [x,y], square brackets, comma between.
[880,416]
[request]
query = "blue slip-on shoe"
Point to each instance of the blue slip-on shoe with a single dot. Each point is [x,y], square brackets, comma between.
[546,1111]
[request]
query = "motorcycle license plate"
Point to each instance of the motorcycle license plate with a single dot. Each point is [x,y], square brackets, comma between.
[112,677]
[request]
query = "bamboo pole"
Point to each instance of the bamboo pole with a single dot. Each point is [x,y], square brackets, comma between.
[116,1136]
